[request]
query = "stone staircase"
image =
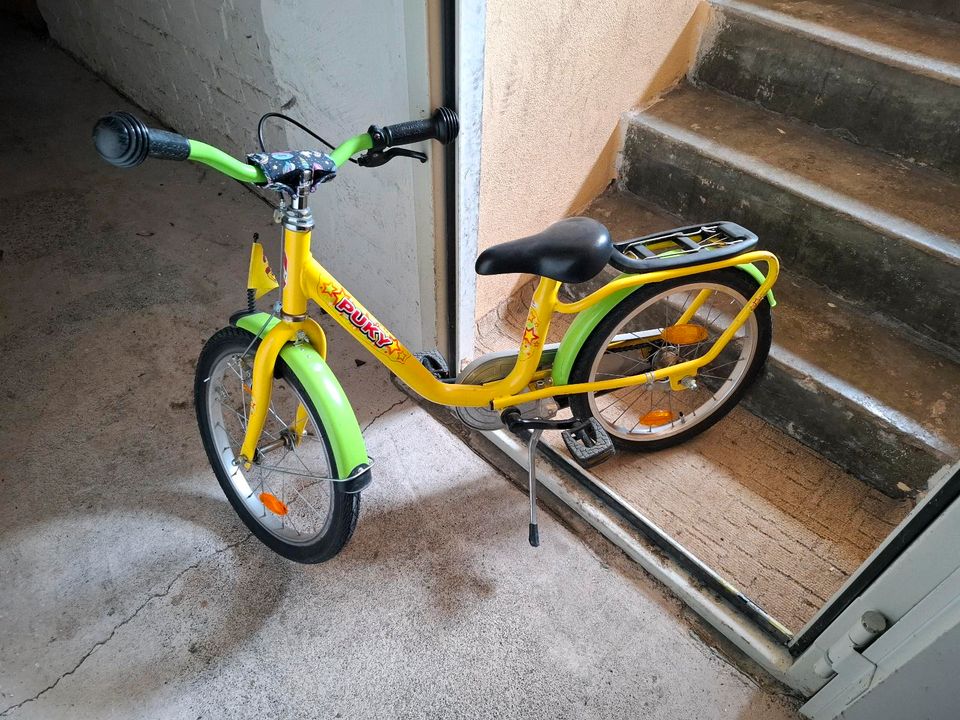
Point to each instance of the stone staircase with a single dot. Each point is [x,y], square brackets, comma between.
[832,129]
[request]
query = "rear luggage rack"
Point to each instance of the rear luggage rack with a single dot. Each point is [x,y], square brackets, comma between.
[691,245]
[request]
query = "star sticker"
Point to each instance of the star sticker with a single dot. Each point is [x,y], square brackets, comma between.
[396,352]
[530,336]
[530,340]
[331,290]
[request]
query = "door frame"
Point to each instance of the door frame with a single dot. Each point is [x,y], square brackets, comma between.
[449,73]
[905,569]
[466,21]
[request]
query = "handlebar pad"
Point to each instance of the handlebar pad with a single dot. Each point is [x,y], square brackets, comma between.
[124,141]
[443,127]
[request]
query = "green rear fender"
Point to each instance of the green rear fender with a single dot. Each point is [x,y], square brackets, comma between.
[586,321]
[336,413]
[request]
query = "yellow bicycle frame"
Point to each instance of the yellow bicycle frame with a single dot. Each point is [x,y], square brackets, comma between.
[307,279]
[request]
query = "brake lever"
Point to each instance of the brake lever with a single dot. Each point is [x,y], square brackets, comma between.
[375,158]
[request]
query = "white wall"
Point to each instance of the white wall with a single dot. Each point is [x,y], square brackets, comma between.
[210,68]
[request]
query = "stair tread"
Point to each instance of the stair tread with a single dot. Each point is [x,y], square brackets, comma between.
[858,355]
[922,44]
[864,353]
[918,203]
[946,10]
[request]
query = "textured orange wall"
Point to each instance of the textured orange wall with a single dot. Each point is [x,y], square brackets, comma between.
[558,74]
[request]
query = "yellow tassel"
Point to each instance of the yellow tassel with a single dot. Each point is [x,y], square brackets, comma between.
[260,277]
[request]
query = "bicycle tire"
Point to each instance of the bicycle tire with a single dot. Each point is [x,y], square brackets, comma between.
[344,507]
[738,284]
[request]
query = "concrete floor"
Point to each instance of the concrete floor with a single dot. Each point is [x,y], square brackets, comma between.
[130,588]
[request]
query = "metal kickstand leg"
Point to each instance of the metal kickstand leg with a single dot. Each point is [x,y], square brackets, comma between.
[532,464]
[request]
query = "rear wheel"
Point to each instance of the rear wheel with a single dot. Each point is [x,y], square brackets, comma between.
[287,498]
[643,334]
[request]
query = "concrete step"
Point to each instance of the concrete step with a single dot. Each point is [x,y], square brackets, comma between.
[874,75]
[946,9]
[863,394]
[876,230]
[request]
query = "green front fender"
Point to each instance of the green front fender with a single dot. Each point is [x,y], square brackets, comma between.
[336,414]
[586,321]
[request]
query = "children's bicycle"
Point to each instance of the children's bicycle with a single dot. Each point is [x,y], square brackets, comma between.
[653,357]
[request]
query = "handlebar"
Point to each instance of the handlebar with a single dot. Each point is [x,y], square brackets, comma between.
[125,141]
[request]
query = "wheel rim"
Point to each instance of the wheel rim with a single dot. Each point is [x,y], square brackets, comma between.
[288,491]
[652,411]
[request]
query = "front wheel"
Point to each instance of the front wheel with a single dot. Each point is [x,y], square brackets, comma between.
[643,333]
[287,498]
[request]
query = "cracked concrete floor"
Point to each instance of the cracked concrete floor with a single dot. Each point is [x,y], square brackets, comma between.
[129,587]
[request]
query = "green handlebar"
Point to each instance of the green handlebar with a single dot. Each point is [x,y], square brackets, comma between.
[239,170]
[349,148]
[219,160]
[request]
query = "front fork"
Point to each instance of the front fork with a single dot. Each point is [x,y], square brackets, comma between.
[264,364]
[294,323]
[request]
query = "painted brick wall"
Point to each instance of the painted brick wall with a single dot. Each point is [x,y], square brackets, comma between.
[210,68]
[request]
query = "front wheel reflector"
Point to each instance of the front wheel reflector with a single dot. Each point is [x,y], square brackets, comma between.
[273,504]
[655,418]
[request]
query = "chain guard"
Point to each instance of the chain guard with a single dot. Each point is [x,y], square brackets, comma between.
[490,368]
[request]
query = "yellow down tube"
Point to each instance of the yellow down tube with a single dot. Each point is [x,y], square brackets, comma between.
[360,323]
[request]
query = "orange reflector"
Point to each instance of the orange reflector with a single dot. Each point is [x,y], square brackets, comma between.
[657,417]
[684,334]
[273,504]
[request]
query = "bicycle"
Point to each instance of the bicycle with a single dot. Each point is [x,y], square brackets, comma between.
[670,344]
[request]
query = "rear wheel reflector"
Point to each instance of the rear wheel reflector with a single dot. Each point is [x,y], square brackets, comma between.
[655,418]
[684,334]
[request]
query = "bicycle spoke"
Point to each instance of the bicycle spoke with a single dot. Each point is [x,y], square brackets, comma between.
[266,432]
[309,505]
[631,405]
[639,389]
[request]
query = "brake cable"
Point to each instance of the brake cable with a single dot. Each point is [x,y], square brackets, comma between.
[290,120]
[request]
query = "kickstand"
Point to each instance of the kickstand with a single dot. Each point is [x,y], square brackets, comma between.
[534,531]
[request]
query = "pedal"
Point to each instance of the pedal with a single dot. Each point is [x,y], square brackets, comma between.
[589,444]
[433,361]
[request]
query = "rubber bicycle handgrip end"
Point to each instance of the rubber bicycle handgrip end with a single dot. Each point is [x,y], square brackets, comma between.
[123,140]
[446,125]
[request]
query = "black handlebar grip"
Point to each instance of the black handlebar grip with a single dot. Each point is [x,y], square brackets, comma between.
[124,141]
[443,127]
[166,145]
[407,133]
